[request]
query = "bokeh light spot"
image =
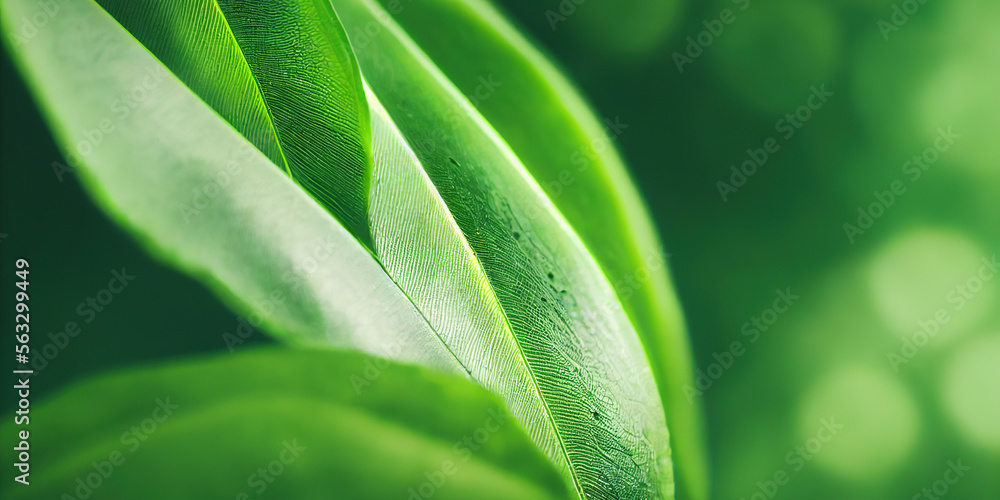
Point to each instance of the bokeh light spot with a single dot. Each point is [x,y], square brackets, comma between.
[970,393]
[926,270]
[962,92]
[880,420]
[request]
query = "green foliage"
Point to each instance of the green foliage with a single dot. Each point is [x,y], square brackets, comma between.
[415,230]
[308,430]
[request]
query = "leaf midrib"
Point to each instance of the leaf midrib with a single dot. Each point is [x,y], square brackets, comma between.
[481,271]
[405,39]
[260,92]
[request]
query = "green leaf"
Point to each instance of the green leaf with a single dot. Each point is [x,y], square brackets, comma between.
[581,356]
[320,424]
[570,153]
[202,198]
[283,74]
[484,273]
[433,263]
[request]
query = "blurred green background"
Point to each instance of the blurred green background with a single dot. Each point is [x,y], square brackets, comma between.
[707,88]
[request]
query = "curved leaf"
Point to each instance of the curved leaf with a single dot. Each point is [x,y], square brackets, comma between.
[569,152]
[201,197]
[424,251]
[205,428]
[583,358]
[283,74]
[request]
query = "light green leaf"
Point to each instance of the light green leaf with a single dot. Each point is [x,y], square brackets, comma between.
[424,251]
[571,154]
[320,424]
[283,74]
[580,353]
[201,197]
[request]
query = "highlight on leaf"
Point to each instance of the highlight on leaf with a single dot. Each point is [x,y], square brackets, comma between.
[359,200]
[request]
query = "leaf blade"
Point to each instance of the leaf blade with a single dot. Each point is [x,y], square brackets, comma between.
[256,405]
[432,253]
[604,404]
[579,168]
